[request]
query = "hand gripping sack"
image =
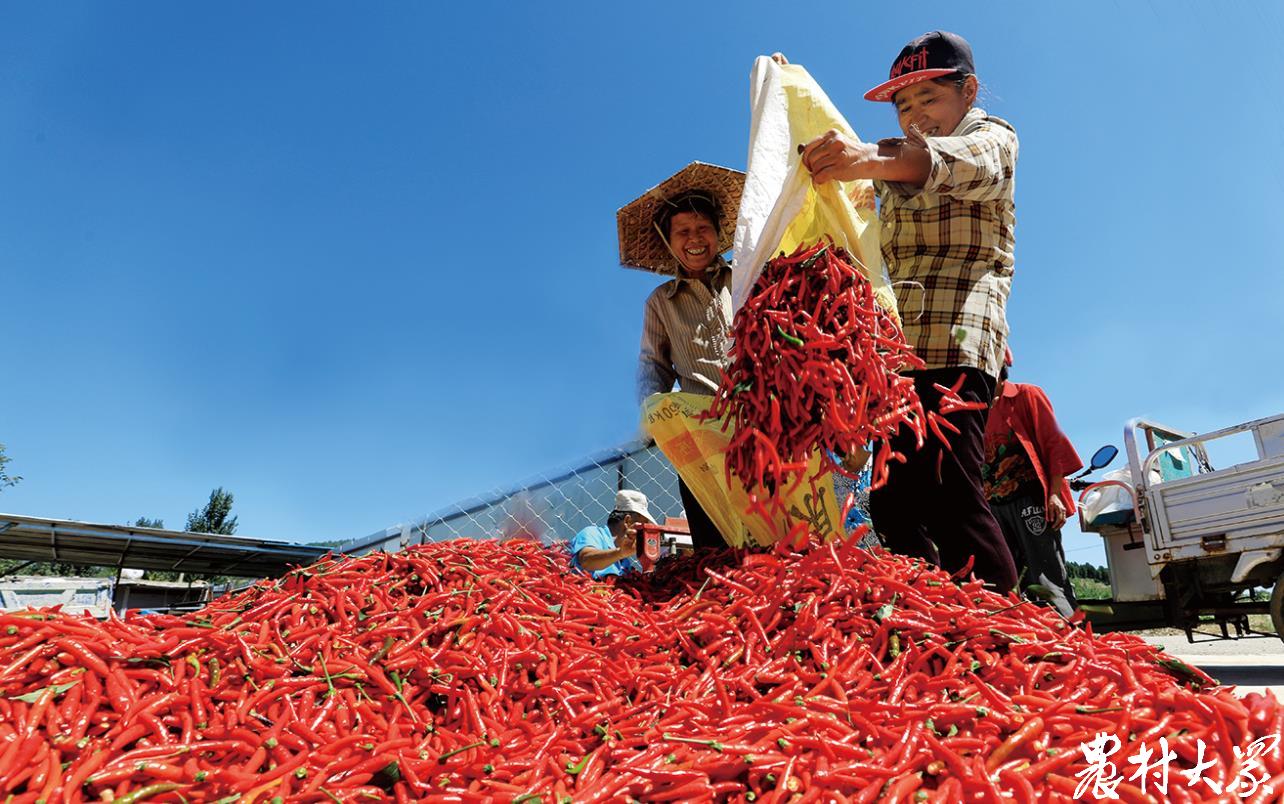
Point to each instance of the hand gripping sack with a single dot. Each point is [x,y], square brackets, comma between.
[781,208]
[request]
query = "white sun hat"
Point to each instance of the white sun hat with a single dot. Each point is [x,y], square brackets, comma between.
[633,502]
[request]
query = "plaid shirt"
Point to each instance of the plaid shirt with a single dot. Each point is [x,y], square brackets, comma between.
[686,332]
[949,246]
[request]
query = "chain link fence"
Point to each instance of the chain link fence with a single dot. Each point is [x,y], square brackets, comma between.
[551,507]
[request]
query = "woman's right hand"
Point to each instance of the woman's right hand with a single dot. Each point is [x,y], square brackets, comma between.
[779,58]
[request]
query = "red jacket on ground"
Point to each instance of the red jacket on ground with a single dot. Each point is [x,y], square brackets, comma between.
[1025,410]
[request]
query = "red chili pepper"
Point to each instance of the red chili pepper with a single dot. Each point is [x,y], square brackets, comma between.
[846,346]
[822,670]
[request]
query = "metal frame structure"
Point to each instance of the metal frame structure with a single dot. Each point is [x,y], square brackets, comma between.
[550,507]
[31,539]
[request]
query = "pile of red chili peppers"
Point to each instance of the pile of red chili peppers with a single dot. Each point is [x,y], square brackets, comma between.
[814,365]
[473,670]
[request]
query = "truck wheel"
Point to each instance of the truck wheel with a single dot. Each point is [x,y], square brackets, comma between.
[1277,607]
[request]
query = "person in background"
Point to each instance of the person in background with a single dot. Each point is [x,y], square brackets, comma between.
[945,192]
[612,550]
[854,482]
[1027,460]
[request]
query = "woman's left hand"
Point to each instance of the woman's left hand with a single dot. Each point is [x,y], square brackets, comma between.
[1056,513]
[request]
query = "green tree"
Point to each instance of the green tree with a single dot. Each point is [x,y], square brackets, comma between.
[333,543]
[6,479]
[1090,572]
[160,575]
[215,517]
[57,569]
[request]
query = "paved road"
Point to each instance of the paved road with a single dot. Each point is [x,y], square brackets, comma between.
[1252,664]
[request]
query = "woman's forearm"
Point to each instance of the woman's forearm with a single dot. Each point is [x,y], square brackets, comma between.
[903,163]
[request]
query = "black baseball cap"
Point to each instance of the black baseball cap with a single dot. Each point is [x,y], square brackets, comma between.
[931,55]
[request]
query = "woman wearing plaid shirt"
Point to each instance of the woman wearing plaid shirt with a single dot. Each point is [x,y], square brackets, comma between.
[946,206]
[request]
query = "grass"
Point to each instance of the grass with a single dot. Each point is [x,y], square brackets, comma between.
[1261,623]
[1088,589]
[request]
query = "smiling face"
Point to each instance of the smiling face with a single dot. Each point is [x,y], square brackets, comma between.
[694,241]
[935,107]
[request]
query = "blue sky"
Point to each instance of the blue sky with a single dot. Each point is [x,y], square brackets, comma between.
[356,261]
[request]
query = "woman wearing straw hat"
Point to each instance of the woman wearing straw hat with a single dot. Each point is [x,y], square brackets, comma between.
[682,227]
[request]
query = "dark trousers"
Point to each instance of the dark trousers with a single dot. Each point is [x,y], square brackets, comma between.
[1036,548]
[704,534]
[933,505]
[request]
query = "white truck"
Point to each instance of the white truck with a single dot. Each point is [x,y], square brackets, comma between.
[1187,542]
[92,596]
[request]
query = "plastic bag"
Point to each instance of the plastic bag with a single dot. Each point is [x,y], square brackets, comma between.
[1108,499]
[781,208]
[696,450]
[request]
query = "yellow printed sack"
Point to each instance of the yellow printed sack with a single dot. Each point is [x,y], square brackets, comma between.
[696,450]
[780,208]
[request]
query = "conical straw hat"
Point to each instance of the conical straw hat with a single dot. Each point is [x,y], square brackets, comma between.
[641,245]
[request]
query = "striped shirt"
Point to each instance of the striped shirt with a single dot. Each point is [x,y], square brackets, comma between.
[949,246]
[686,332]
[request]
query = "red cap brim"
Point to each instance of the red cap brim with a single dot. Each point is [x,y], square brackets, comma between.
[885,91]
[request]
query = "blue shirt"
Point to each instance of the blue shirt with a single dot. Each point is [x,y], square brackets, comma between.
[599,538]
